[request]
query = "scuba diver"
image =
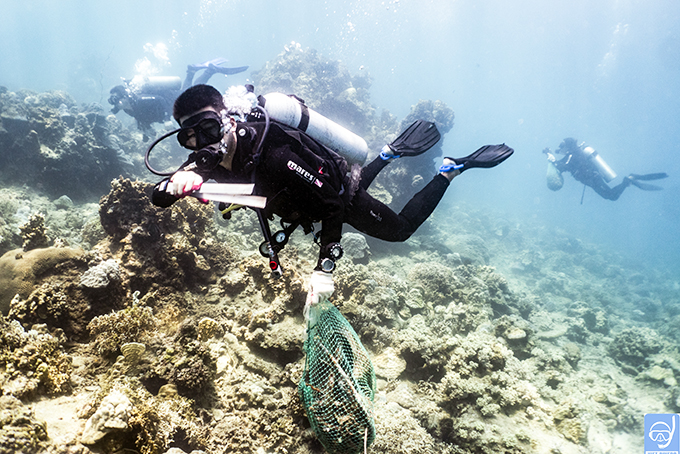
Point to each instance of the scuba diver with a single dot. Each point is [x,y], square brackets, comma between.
[588,167]
[304,180]
[149,99]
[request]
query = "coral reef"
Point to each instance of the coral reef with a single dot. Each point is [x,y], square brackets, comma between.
[112,415]
[33,233]
[159,331]
[21,271]
[33,361]
[71,151]
[19,429]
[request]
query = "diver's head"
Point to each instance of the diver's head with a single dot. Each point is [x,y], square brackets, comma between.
[195,99]
[198,112]
[119,98]
[568,146]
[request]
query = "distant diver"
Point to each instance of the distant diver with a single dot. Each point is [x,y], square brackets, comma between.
[303,180]
[149,99]
[588,167]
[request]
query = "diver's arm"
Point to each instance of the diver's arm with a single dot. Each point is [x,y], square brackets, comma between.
[179,185]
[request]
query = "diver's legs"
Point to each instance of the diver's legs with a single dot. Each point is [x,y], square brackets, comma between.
[188,80]
[205,76]
[376,219]
[369,172]
[609,193]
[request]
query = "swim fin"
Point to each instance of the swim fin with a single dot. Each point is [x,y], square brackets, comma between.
[649,176]
[488,156]
[416,139]
[206,64]
[228,71]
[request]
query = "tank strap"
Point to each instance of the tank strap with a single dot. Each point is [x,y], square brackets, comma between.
[304,120]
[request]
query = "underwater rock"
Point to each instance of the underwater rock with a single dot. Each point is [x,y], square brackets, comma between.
[659,374]
[634,345]
[208,328]
[567,419]
[325,85]
[20,271]
[484,371]
[20,432]
[65,151]
[437,281]
[398,432]
[112,415]
[595,319]
[101,275]
[172,247]
[389,364]
[673,399]
[471,248]
[64,202]
[167,391]
[356,247]
[110,331]
[34,233]
[32,362]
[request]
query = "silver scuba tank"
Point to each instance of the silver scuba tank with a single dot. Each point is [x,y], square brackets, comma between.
[155,84]
[607,173]
[292,112]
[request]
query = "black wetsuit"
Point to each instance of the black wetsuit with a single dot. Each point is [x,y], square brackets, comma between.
[148,108]
[306,182]
[580,167]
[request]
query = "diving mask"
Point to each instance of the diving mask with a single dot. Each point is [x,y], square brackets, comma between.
[205,128]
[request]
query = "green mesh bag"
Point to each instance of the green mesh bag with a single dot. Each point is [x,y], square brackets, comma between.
[338,384]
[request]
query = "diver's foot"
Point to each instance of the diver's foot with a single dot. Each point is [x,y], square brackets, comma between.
[449,169]
[388,154]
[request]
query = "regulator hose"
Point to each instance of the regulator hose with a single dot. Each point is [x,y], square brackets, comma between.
[148,152]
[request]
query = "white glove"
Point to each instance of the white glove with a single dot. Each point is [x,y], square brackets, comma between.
[184,182]
[320,288]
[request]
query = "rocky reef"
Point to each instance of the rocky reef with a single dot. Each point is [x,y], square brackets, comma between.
[129,328]
[49,142]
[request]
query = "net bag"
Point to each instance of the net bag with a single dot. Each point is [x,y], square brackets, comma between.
[338,384]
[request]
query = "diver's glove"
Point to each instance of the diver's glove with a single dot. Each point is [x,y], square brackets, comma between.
[184,182]
[549,155]
[321,288]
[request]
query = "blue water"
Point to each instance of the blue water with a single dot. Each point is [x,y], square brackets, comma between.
[525,72]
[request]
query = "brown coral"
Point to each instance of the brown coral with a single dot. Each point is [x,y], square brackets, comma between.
[20,271]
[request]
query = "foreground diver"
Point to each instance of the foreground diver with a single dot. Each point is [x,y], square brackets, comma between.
[588,167]
[149,99]
[304,181]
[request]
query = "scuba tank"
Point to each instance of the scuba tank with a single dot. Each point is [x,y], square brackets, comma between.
[603,169]
[290,111]
[155,84]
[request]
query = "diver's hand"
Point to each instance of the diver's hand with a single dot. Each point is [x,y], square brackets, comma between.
[548,154]
[184,183]
[321,287]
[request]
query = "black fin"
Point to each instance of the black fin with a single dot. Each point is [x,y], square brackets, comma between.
[649,176]
[645,186]
[416,139]
[488,156]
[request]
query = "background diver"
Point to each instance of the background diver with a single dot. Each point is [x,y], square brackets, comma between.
[588,167]
[149,99]
[304,181]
